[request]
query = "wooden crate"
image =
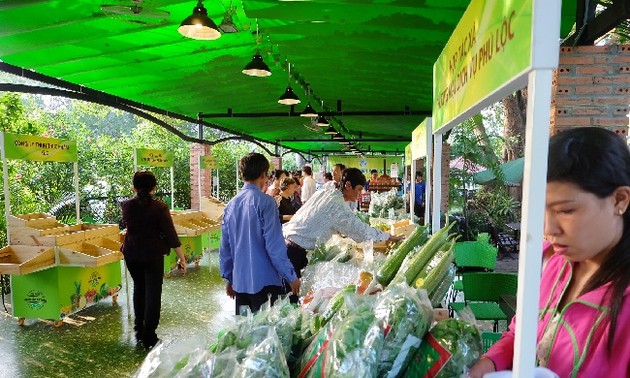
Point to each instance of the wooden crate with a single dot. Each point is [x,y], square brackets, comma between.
[22,259]
[403,227]
[193,223]
[95,252]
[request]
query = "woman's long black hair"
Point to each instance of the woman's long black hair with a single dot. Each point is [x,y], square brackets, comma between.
[598,162]
[144,182]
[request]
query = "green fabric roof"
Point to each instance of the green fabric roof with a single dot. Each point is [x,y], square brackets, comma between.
[374,55]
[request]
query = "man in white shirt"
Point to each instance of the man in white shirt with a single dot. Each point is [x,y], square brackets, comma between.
[308,184]
[326,213]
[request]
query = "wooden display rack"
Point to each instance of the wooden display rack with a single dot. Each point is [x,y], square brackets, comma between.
[94,252]
[403,227]
[193,223]
[41,229]
[212,208]
[22,259]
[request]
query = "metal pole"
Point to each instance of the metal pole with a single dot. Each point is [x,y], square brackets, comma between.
[5,174]
[77,201]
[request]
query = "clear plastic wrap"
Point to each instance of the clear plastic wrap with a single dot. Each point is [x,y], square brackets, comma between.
[437,296]
[265,359]
[403,315]
[448,350]
[328,274]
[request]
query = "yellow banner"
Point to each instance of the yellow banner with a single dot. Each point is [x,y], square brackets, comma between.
[154,158]
[366,164]
[31,147]
[207,162]
[419,141]
[490,47]
[408,154]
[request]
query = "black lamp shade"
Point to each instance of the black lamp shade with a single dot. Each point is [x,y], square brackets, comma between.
[321,121]
[289,97]
[257,67]
[199,25]
[309,111]
[330,131]
[338,136]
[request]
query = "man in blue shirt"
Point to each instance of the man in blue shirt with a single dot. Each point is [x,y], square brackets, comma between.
[418,208]
[253,255]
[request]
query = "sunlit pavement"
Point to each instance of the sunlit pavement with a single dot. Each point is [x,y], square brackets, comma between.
[99,340]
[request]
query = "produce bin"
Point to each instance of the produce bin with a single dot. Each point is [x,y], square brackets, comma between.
[193,250]
[23,259]
[212,208]
[62,290]
[94,252]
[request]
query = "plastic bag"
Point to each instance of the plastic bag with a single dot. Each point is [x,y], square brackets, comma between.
[448,350]
[404,315]
[265,359]
[328,274]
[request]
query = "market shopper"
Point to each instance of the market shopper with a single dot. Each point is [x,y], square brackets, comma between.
[283,199]
[252,256]
[420,187]
[336,175]
[277,177]
[326,213]
[150,235]
[308,184]
[584,306]
[373,178]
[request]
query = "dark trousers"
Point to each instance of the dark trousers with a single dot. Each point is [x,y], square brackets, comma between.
[147,297]
[297,256]
[418,210]
[255,301]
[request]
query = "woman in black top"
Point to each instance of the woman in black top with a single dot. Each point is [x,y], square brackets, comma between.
[150,235]
[288,186]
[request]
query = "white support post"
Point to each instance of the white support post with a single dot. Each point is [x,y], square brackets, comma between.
[199,173]
[218,183]
[5,175]
[77,202]
[534,188]
[172,188]
[428,176]
[412,192]
[437,182]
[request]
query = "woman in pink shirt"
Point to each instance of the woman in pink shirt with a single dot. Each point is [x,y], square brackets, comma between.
[584,306]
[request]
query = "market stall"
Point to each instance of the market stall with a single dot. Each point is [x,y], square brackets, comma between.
[213,209]
[497,48]
[56,269]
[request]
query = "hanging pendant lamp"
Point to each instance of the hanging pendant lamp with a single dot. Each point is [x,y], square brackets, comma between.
[322,121]
[309,111]
[338,136]
[199,25]
[257,67]
[289,97]
[330,131]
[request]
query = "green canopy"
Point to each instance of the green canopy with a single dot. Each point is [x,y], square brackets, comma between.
[512,170]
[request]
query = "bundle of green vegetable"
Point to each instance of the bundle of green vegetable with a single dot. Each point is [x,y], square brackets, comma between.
[417,264]
[447,350]
[388,270]
[403,315]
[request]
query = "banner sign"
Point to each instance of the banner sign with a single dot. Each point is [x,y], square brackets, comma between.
[31,147]
[366,164]
[408,154]
[419,141]
[207,162]
[154,158]
[490,47]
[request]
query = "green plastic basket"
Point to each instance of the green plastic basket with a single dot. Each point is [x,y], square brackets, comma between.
[489,338]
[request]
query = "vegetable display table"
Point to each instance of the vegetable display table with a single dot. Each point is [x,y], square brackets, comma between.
[57,269]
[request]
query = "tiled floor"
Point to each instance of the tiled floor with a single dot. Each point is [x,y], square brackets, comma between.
[101,343]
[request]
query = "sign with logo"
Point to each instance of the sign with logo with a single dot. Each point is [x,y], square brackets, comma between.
[35,299]
[31,147]
[489,49]
[154,158]
[366,164]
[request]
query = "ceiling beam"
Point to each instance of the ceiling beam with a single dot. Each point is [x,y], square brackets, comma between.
[292,113]
[590,27]
[384,140]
